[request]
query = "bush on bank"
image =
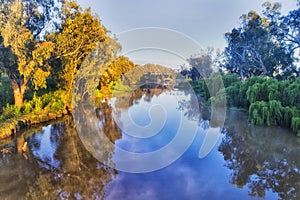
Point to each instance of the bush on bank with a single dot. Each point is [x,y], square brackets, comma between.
[43,108]
[269,102]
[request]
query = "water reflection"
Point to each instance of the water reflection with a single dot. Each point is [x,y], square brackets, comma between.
[55,166]
[16,173]
[80,176]
[44,145]
[261,158]
[249,162]
[106,121]
[146,142]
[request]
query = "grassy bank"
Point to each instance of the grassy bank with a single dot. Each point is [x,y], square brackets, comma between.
[40,109]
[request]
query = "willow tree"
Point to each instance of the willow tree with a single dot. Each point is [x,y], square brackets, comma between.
[23,55]
[80,34]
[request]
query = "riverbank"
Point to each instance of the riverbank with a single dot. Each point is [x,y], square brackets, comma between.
[268,102]
[39,109]
[15,125]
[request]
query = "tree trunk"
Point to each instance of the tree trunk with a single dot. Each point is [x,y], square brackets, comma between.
[18,92]
[19,98]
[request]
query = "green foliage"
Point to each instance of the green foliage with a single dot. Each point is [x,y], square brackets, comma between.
[244,88]
[282,88]
[23,55]
[57,106]
[272,113]
[120,88]
[229,79]
[200,87]
[27,107]
[233,94]
[37,103]
[269,101]
[271,89]
[80,35]
[220,99]
[258,112]
[50,102]
[287,114]
[56,101]
[256,93]
[296,124]
[275,113]
[6,93]
[293,93]
[265,91]
[252,49]
[11,111]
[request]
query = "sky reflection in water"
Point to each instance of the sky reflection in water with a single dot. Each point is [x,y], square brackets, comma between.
[247,161]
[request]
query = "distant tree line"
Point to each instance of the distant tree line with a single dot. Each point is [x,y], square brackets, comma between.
[266,44]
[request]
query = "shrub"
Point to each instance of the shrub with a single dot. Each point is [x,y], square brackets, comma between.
[282,88]
[11,111]
[27,107]
[287,114]
[275,113]
[219,100]
[293,94]
[57,106]
[203,89]
[273,91]
[233,94]
[296,124]
[58,101]
[37,102]
[245,86]
[258,112]
[229,79]
[6,92]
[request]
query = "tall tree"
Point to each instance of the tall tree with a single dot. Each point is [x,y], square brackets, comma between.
[252,50]
[23,55]
[81,33]
[285,29]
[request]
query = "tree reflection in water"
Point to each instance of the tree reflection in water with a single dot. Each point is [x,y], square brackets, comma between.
[80,175]
[262,159]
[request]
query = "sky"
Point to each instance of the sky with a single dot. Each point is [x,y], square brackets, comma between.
[202,22]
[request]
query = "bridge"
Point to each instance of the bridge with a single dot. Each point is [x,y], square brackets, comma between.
[158,79]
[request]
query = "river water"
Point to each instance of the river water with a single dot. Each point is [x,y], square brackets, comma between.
[248,162]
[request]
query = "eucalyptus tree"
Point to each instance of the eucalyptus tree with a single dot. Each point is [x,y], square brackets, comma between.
[285,31]
[23,56]
[252,49]
[81,35]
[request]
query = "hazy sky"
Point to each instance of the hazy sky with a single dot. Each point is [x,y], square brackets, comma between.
[205,21]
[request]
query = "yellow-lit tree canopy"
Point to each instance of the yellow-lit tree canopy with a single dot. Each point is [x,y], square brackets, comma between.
[28,55]
[81,32]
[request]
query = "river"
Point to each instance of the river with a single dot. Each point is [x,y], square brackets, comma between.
[248,162]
